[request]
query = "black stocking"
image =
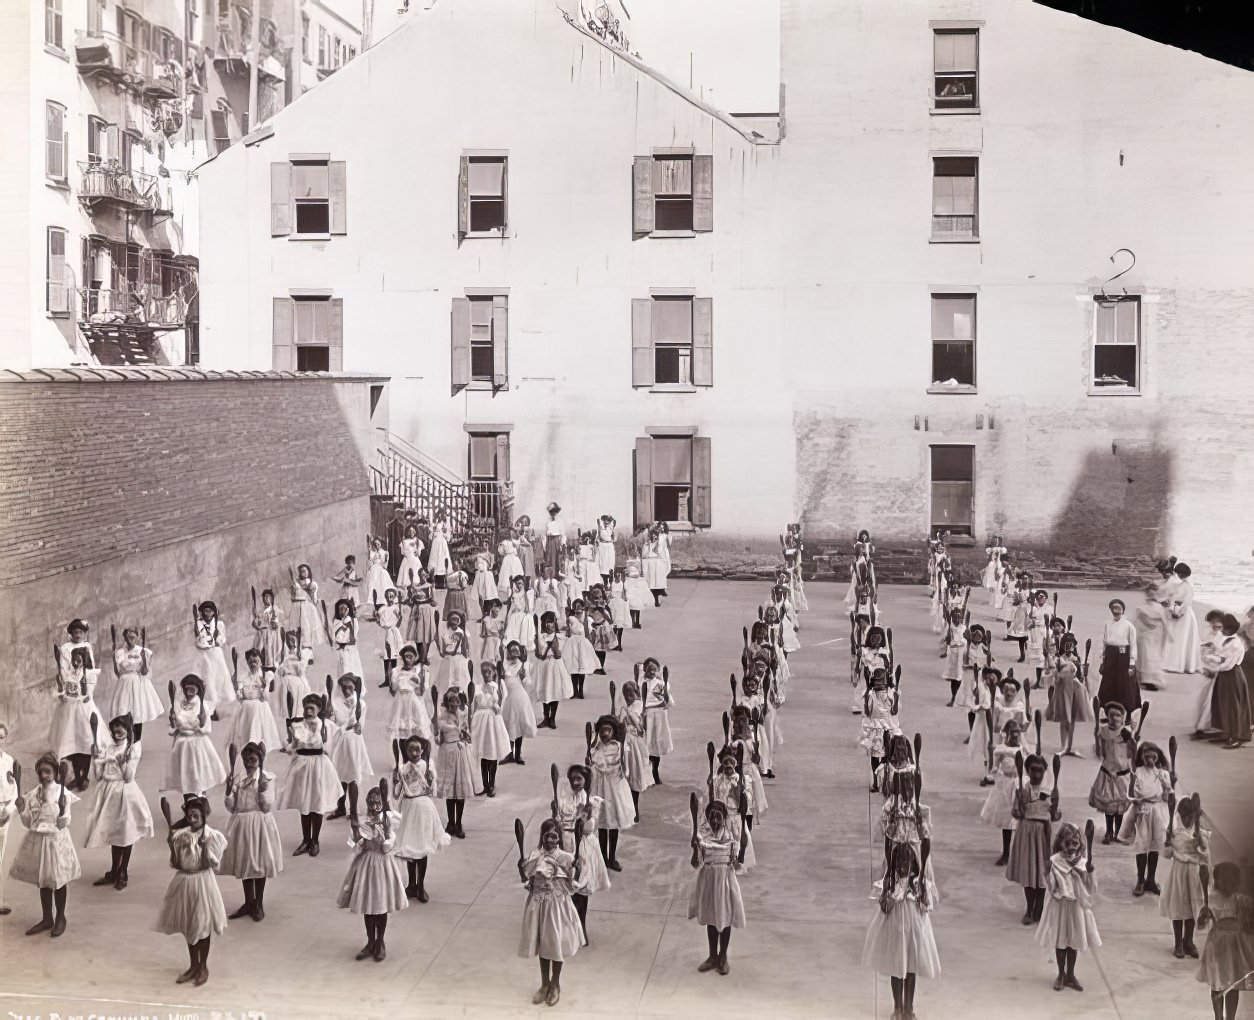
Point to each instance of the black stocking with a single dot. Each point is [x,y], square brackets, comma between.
[483,772]
[553,719]
[369,919]
[557,973]
[518,751]
[581,908]
[970,721]
[1060,957]
[1006,836]
[896,983]
[422,873]
[1028,895]
[544,972]
[461,809]
[635,800]
[603,836]
[315,827]
[1189,925]
[1230,1003]
[1110,825]
[492,776]
[749,822]
[656,761]
[953,689]
[1071,957]
[381,925]
[1118,823]
[908,992]
[1140,868]
[711,935]
[126,861]
[451,811]
[58,897]
[613,846]
[601,660]
[1151,869]
[724,940]
[305,828]
[1177,928]
[875,770]
[412,868]
[139,731]
[115,863]
[259,891]
[45,904]
[1217,1004]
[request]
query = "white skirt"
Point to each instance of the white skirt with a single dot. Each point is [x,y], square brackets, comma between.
[253,848]
[192,907]
[194,765]
[71,727]
[517,713]
[312,787]
[552,680]
[453,671]
[348,660]
[47,860]
[350,757]
[420,832]
[409,716]
[120,815]
[617,811]
[292,683]
[134,693]
[211,668]
[488,734]
[254,722]
[594,876]
[901,942]
[374,884]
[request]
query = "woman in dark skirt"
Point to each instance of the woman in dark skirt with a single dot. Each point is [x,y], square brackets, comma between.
[1247,664]
[554,540]
[1118,659]
[1230,702]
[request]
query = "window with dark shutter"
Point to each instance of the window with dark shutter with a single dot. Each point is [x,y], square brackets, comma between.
[57,273]
[673,479]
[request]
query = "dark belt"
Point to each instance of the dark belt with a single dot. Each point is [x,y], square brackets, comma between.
[308,750]
[1121,772]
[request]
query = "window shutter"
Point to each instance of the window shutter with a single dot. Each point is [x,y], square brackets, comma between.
[284,335]
[500,341]
[280,199]
[505,196]
[335,334]
[702,193]
[461,343]
[642,219]
[463,198]
[113,142]
[502,456]
[703,341]
[337,174]
[701,471]
[644,481]
[641,342]
[58,274]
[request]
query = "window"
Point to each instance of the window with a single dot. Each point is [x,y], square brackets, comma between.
[191,331]
[57,274]
[307,198]
[672,193]
[309,334]
[97,140]
[323,59]
[953,340]
[672,472]
[482,194]
[480,342]
[349,52]
[193,29]
[221,130]
[489,456]
[1116,343]
[672,341]
[954,198]
[337,51]
[306,44]
[53,22]
[953,488]
[57,142]
[956,69]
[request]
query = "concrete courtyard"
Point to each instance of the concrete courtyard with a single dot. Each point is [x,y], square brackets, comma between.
[808,901]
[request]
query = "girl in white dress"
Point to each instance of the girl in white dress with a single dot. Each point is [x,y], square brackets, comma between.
[511,565]
[608,763]
[999,804]
[419,834]
[487,729]
[631,723]
[193,904]
[1180,649]
[254,852]
[70,736]
[491,631]
[605,547]
[347,745]
[439,562]
[579,656]
[552,679]
[899,940]
[548,592]
[210,636]
[305,618]
[525,538]
[620,612]
[388,617]
[312,787]
[290,678]
[1148,790]
[516,712]
[349,581]
[520,610]
[343,631]
[421,627]
[268,623]
[378,581]
[550,924]
[46,856]
[1067,925]
[482,586]
[120,816]
[375,883]
[254,722]
[715,899]
[991,577]
[457,781]
[411,558]
[454,648]
[409,699]
[589,563]
[134,694]
[728,786]
[651,559]
[574,804]
[657,697]
[194,767]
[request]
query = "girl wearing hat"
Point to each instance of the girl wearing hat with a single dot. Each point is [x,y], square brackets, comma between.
[120,816]
[1230,700]
[71,734]
[423,624]
[605,547]
[378,580]
[487,728]
[1114,746]
[133,695]
[552,679]
[1148,790]
[520,612]
[516,711]
[526,547]
[388,617]
[374,885]
[343,631]
[657,702]
[483,588]
[1067,922]
[554,540]
[550,923]
[631,724]
[1034,809]
[193,904]
[410,569]
[715,897]
[1180,651]
[419,833]
[457,781]
[46,856]
[608,762]
[998,809]
[899,940]
[1118,659]
[573,803]
[253,850]
[312,787]
[290,679]
[194,766]
[439,562]
[304,595]
[409,699]
[254,722]
[511,564]
[454,648]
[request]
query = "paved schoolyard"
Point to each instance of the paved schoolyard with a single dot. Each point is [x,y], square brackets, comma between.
[807,902]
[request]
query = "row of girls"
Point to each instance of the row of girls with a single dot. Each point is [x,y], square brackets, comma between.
[1134,787]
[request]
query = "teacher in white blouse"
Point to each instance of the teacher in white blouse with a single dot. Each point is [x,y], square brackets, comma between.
[1119,660]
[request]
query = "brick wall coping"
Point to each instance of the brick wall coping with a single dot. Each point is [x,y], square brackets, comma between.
[173,373]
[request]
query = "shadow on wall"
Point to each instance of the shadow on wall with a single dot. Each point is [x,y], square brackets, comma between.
[1119,503]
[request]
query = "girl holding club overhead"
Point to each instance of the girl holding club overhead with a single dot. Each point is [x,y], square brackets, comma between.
[378,581]
[409,698]
[343,630]
[574,805]
[193,904]
[194,766]
[998,810]
[439,562]
[1067,923]
[312,787]
[46,856]
[899,940]
[743,726]
[511,565]
[134,694]
[519,615]
[456,781]
[879,720]
[304,596]
[419,833]
[254,722]
[715,897]
[487,729]
[550,923]
[607,761]
[516,711]
[347,745]
[727,785]
[657,703]
[253,850]
[120,816]
[210,636]
[375,883]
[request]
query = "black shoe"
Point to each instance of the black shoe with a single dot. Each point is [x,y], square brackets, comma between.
[313,849]
[366,950]
[422,896]
[302,849]
[108,879]
[613,864]
[244,911]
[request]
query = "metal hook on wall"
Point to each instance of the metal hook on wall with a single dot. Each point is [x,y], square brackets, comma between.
[1106,298]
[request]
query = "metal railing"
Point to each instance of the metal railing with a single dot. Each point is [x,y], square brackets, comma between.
[127,305]
[108,179]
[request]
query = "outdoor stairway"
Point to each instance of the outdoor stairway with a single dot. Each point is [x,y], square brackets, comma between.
[119,346]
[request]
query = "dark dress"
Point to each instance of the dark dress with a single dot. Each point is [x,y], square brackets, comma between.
[1230,701]
[1118,682]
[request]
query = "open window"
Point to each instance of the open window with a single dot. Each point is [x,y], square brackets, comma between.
[672,478]
[673,194]
[953,489]
[308,198]
[482,195]
[480,342]
[1117,344]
